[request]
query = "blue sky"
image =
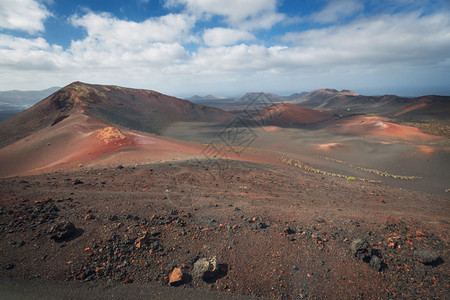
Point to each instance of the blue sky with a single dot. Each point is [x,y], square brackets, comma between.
[228,47]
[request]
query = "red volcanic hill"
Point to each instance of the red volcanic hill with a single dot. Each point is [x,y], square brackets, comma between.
[138,109]
[93,125]
[283,114]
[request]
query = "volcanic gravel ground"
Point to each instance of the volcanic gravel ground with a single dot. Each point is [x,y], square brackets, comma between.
[276,232]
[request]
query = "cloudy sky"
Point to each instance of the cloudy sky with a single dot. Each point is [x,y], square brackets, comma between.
[228,47]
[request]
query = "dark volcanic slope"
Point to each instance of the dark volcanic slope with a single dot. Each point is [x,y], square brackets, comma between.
[143,110]
[425,108]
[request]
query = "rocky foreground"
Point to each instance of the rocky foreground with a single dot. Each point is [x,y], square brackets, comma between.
[233,227]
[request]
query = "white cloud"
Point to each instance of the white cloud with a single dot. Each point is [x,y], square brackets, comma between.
[402,40]
[249,14]
[110,30]
[113,43]
[225,36]
[337,10]
[26,54]
[23,15]
[409,49]
[382,39]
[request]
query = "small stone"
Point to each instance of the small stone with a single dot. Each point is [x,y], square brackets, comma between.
[420,233]
[375,263]
[262,225]
[10,266]
[113,218]
[119,167]
[205,268]
[426,256]
[361,249]
[289,230]
[89,217]
[143,240]
[176,277]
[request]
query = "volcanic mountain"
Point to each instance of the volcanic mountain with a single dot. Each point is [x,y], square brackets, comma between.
[83,123]
[142,110]
[286,114]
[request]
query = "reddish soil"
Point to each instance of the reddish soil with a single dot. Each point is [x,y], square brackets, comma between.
[329,146]
[380,127]
[426,149]
[80,140]
[276,231]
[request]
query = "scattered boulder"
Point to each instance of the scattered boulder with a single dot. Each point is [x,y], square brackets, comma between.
[63,231]
[77,182]
[176,277]
[375,263]
[426,256]
[362,250]
[205,268]
[119,167]
[10,266]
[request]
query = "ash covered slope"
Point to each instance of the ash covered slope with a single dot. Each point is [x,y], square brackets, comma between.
[137,109]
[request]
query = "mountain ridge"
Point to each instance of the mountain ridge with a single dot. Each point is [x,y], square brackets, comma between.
[139,109]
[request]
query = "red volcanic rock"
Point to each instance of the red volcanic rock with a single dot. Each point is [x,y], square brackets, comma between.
[143,240]
[176,277]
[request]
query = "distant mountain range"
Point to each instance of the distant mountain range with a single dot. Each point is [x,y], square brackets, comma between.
[13,102]
[197,98]
[137,112]
[424,108]
[23,99]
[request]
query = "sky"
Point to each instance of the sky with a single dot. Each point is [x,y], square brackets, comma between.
[228,47]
